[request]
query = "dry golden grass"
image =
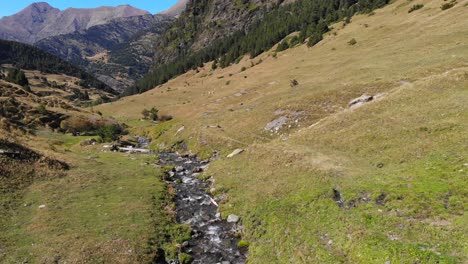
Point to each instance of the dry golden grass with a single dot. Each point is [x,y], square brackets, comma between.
[408,148]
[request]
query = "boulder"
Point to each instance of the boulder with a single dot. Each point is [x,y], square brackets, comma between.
[233,218]
[361,100]
[235,153]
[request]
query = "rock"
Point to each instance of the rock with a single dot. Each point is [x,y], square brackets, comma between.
[179,169]
[197,170]
[277,124]
[235,153]
[218,216]
[171,174]
[361,100]
[42,206]
[180,130]
[233,218]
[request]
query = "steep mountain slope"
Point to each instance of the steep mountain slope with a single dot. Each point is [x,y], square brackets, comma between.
[108,50]
[383,180]
[40,20]
[27,57]
[226,31]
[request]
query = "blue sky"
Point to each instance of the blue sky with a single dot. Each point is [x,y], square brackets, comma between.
[10,7]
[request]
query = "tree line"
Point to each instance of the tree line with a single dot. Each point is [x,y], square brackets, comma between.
[309,17]
[23,56]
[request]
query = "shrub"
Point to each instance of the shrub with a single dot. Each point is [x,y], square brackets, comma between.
[352,42]
[415,7]
[185,258]
[282,46]
[294,82]
[109,133]
[153,114]
[77,124]
[145,113]
[243,244]
[446,6]
[41,108]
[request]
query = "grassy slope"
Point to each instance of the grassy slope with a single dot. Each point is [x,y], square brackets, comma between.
[100,211]
[401,159]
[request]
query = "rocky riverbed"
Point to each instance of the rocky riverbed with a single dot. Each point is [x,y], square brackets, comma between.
[213,240]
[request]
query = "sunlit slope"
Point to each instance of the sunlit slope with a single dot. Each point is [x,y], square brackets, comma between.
[382,182]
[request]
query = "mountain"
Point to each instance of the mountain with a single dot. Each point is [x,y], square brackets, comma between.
[27,57]
[225,31]
[177,9]
[40,20]
[108,50]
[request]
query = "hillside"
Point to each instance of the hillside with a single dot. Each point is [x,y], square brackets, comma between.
[226,31]
[40,20]
[108,50]
[382,180]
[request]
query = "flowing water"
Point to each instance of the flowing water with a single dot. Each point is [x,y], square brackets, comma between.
[213,239]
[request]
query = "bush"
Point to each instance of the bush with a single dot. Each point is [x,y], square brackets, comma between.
[41,109]
[185,258]
[243,244]
[415,7]
[153,114]
[352,42]
[446,6]
[294,82]
[109,133]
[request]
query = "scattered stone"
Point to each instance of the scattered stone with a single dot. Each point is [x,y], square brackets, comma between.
[360,100]
[179,169]
[197,170]
[235,153]
[294,82]
[88,142]
[180,130]
[277,124]
[218,216]
[380,165]
[233,218]
[42,206]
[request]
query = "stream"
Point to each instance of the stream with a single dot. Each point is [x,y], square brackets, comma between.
[213,239]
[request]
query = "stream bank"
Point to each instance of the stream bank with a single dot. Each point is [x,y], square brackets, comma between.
[213,240]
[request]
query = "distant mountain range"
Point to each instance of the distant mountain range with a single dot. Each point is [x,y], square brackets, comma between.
[117,52]
[116,44]
[40,20]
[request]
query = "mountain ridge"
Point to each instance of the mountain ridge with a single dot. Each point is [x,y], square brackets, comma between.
[40,20]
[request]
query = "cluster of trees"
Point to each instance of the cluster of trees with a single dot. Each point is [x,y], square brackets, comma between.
[309,17]
[17,76]
[27,57]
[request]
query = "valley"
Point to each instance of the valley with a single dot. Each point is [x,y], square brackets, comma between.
[351,150]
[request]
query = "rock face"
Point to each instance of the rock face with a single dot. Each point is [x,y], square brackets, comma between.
[40,20]
[109,50]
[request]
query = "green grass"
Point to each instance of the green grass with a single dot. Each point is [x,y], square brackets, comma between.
[418,136]
[110,207]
